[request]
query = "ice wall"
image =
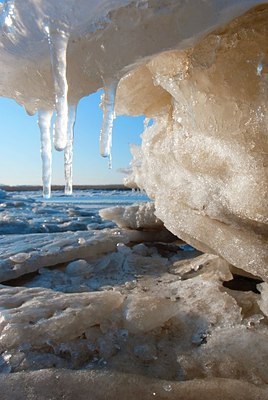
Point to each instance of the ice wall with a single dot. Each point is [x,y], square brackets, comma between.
[203,160]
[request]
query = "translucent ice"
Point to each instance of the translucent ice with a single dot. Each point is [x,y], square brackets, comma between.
[108,102]
[206,171]
[58,42]
[199,70]
[68,152]
[44,122]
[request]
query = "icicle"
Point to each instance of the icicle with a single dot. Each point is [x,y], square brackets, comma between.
[108,118]
[68,152]
[58,41]
[44,122]
[7,16]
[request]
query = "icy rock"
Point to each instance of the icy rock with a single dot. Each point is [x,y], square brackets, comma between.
[34,316]
[144,313]
[139,216]
[207,171]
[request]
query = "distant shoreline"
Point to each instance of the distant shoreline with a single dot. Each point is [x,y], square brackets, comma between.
[28,188]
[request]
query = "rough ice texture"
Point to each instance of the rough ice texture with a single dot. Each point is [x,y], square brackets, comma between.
[204,159]
[150,309]
[19,257]
[263,302]
[105,39]
[22,255]
[84,385]
[133,313]
[32,313]
[141,310]
[140,216]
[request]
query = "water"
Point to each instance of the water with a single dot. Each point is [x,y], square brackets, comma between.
[28,212]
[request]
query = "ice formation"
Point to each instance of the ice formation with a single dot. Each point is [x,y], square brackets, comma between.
[108,118]
[97,34]
[132,301]
[44,122]
[68,151]
[201,168]
[139,216]
[204,160]
[198,69]
[58,42]
[141,313]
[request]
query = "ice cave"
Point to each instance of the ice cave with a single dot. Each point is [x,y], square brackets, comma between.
[165,317]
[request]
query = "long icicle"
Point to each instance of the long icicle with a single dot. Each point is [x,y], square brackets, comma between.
[108,118]
[58,42]
[68,152]
[44,122]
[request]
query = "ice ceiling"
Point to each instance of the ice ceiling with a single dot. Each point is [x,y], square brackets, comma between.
[198,68]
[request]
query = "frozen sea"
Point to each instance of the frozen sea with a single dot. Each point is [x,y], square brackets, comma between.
[28,212]
[81,297]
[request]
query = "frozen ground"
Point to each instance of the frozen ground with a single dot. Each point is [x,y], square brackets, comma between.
[126,305]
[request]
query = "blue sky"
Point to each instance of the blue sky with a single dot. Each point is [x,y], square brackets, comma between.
[20,161]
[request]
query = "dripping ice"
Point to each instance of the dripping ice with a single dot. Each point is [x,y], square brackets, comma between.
[58,42]
[44,122]
[7,17]
[108,101]
[68,152]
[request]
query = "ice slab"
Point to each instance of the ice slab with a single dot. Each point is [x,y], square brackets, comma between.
[50,249]
[34,316]
[85,385]
[23,254]
[148,321]
[140,216]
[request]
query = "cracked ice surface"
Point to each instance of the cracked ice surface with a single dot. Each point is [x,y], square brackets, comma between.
[132,311]
[120,301]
